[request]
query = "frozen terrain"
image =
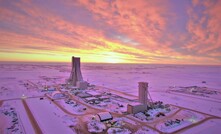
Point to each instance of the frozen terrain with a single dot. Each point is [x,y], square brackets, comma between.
[27,81]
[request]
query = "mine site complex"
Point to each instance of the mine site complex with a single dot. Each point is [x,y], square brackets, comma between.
[77,106]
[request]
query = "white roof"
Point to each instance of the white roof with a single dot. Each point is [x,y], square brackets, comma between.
[135,104]
[51,88]
[93,93]
[73,87]
[104,97]
[83,95]
[55,92]
[104,115]
[91,98]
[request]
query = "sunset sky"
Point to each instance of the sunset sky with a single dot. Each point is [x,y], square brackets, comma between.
[111,31]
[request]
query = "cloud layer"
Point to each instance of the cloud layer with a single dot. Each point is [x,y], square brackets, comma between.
[111,31]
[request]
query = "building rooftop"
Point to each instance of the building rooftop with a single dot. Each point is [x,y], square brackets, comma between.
[93,93]
[135,104]
[105,116]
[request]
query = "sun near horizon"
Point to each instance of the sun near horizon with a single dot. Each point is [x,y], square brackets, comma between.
[167,32]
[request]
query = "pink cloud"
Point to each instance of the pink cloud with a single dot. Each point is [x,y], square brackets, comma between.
[205,29]
[142,21]
[140,29]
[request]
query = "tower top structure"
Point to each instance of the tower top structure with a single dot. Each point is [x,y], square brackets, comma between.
[75,75]
[143,92]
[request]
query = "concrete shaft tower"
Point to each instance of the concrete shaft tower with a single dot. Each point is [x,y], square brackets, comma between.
[76,71]
[143,92]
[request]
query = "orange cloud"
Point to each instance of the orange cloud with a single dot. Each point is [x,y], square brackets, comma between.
[142,21]
[137,32]
[205,28]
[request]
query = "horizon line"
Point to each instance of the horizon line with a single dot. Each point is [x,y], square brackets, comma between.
[108,63]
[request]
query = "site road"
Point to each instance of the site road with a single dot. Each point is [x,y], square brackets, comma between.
[82,126]
[32,119]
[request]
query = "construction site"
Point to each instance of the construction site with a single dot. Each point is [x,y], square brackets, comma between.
[77,106]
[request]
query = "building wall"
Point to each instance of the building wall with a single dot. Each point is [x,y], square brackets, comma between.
[135,109]
[82,84]
[143,87]
[76,71]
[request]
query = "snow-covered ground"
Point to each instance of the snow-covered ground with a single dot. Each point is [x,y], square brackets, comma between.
[209,127]
[95,126]
[12,121]
[126,77]
[154,114]
[182,119]
[206,106]
[197,92]
[120,77]
[145,130]
[49,117]
[72,106]
[127,120]
[15,111]
[101,100]
[117,130]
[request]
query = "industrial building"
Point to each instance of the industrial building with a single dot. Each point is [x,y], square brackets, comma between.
[135,108]
[105,116]
[141,106]
[76,78]
[57,95]
[143,90]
